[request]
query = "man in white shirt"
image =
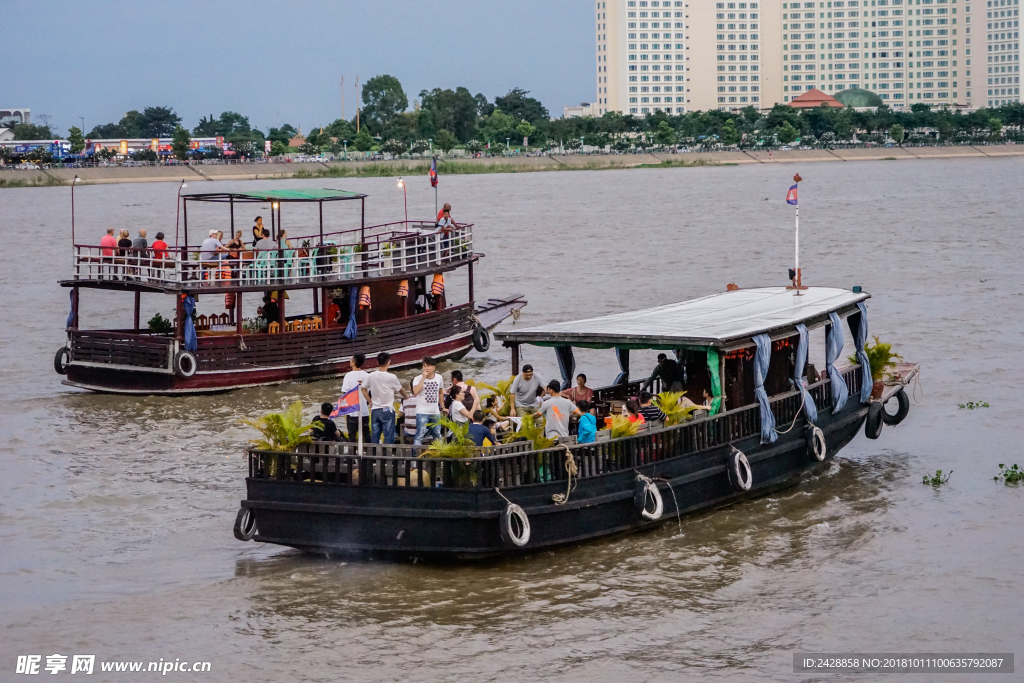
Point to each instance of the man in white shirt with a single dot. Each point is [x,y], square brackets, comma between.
[429,388]
[354,378]
[379,389]
[210,251]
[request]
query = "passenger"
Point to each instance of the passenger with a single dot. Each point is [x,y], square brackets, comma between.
[379,390]
[353,378]
[409,405]
[478,433]
[458,379]
[428,387]
[283,241]
[211,249]
[447,207]
[650,412]
[556,410]
[632,412]
[124,244]
[587,432]
[462,405]
[265,243]
[669,372]
[108,242]
[523,393]
[235,246]
[580,392]
[140,245]
[257,231]
[324,428]
[687,403]
[160,247]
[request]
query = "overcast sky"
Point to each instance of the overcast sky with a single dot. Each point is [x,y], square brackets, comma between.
[279,62]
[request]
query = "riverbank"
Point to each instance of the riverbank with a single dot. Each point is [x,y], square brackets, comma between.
[366,169]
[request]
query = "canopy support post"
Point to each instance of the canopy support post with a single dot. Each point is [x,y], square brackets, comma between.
[238,313]
[273,223]
[179,317]
[138,301]
[184,214]
[232,204]
[74,309]
[321,222]
[514,347]
[471,299]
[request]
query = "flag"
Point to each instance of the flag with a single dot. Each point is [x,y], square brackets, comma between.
[791,196]
[348,404]
[433,173]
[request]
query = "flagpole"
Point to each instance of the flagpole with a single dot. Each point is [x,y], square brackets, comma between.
[798,280]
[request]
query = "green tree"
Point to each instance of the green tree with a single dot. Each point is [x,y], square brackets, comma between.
[786,133]
[896,133]
[666,134]
[453,110]
[180,142]
[158,122]
[30,131]
[363,142]
[393,146]
[526,129]
[445,140]
[282,134]
[730,135]
[383,100]
[76,139]
[277,148]
[497,127]
[995,127]
[522,108]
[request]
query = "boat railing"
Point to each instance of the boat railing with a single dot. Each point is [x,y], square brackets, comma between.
[527,467]
[383,251]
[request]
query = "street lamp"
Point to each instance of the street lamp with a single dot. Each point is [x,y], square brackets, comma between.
[507,143]
[82,118]
[405,195]
[345,142]
[178,214]
[431,141]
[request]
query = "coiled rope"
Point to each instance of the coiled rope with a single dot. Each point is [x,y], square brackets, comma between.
[573,471]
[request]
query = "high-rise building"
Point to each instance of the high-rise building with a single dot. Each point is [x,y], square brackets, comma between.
[688,55]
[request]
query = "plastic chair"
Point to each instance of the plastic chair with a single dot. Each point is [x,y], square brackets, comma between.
[273,328]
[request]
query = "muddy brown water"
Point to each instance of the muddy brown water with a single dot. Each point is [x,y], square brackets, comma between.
[116,512]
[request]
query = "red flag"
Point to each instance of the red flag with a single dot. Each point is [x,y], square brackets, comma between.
[433,173]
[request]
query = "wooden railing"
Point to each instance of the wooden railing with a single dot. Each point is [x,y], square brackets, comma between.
[128,349]
[406,248]
[340,464]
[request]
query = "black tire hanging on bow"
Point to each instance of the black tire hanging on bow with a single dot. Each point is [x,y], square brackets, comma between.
[902,409]
[245,524]
[514,526]
[481,339]
[873,425]
[61,360]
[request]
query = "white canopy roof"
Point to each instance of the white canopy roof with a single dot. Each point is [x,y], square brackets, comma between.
[719,320]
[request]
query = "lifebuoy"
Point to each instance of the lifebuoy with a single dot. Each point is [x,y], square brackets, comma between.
[873,425]
[481,340]
[245,524]
[816,446]
[902,409]
[61,360]
[514,526]
[645,494]
[740,475]
[185,364]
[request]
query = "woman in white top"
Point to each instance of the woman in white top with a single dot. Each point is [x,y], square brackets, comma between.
[458,411]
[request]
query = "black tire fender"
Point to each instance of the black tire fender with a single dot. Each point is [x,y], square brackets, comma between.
[817,449]
[481,339]
[61,360]
[185,364]
[245,524]
[873,424]
[514,526]
[902,409]
[646,493]
[741,476]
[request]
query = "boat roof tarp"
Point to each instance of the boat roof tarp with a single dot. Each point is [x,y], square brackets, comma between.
[719,320]
[298,195]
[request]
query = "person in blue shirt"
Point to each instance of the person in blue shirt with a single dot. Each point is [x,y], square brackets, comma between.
[587,432]
[478,433]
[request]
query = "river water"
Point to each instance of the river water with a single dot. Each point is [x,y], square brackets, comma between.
[116,513]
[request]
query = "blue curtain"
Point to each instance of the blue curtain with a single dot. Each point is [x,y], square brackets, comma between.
[859,326]
[810,409]
[761,360]
[353,299]
[191,342]
[566,364]
[834,347]
[71,313]
[623,357]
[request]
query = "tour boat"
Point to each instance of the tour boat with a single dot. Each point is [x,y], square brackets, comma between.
[770,423]
[373,288]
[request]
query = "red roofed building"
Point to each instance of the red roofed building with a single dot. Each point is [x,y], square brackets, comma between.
[814,98]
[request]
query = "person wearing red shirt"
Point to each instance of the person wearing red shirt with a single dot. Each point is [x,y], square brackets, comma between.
[159,247]
[108,243]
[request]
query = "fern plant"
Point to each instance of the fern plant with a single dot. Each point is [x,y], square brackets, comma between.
[532,429]
[501,391]
[668,403]
[458,447]
[281,431]
[880,358]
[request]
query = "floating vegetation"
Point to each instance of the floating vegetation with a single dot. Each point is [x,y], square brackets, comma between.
[971,405]
[1010,475]
[938,479]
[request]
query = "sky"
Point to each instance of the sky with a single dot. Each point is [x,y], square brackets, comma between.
[282,62]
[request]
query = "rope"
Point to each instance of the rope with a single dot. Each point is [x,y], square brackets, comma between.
[795,418]
[515,315]
[503,496]
[241,343]
[573,471]
[679,520]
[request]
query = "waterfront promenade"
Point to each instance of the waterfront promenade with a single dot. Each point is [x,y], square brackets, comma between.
[341,169]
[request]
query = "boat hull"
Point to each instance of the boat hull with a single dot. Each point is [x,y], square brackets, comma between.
[464,523]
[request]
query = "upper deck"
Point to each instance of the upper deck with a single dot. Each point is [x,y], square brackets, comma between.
[329,257]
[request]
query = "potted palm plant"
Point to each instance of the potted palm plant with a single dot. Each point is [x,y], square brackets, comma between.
[282,432]
[880,358]
[459,446]
[668,403]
